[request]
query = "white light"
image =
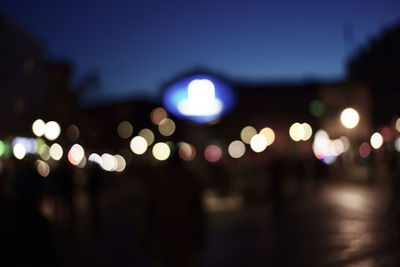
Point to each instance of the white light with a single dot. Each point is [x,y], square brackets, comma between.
[138,145]
[161,151]
[397,144]
[258,143]
[346,143]
[56,151]
[236,149]
[94,157]
[376,140]
[349,118]
[201,99]
[108,162]
[52,130]
[121,163]
[76,154]
[337,147]
[38,127]
[19,151]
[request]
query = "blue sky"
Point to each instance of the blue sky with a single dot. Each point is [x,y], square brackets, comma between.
[137,46]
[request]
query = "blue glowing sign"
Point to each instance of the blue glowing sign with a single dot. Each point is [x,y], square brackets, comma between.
[201,98]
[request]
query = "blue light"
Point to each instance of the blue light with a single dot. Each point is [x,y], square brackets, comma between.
[200,98]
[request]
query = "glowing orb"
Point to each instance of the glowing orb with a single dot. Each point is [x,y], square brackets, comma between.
[200,98]
[349,118]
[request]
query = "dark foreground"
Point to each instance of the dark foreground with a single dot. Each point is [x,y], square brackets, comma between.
[333,224]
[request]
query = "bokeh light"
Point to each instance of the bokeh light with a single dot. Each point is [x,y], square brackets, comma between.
[2,148]
[247,133]
[376,140]
[157,115]
[364,150]
[38,127]
[161,151]
[186,151]
[76,154]
[44,152]
[56,151]
[212,153]
[125,129]
[328,150]
[316,108]
[337,147]
[398,124]
[52,130]
[138,145]
[200,100]
[269,134]
[166,127]
[386,133]
[72,133]
[397,144]
[19,151]
[258,143]
[307,131]
[42,168]
[108,162]
[296,131]
[28,143]
[349,118]
[148,135]
[346,143]
[96,158]
[236,149]
[121,163]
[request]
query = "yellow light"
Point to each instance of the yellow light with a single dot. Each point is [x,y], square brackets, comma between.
[166,127]
[237,149]
[52,130]
[108,162]
[247,133]
[121,163]
[42,168]
[157,115]
[296,131]
[148,135]
[19,151]
[398,124]
[269,134]
[56,151]
[376,140]
[307,131]
[138,145]
[76,154]
[38,127]
[125,129]
[349,118]
[161,151]
[258,143]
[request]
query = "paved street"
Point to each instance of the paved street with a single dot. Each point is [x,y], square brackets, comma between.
[336,224]
[340,224]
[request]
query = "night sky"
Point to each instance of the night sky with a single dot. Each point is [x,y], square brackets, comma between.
[137,46]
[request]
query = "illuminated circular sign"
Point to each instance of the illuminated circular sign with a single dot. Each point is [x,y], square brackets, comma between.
[201,98]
